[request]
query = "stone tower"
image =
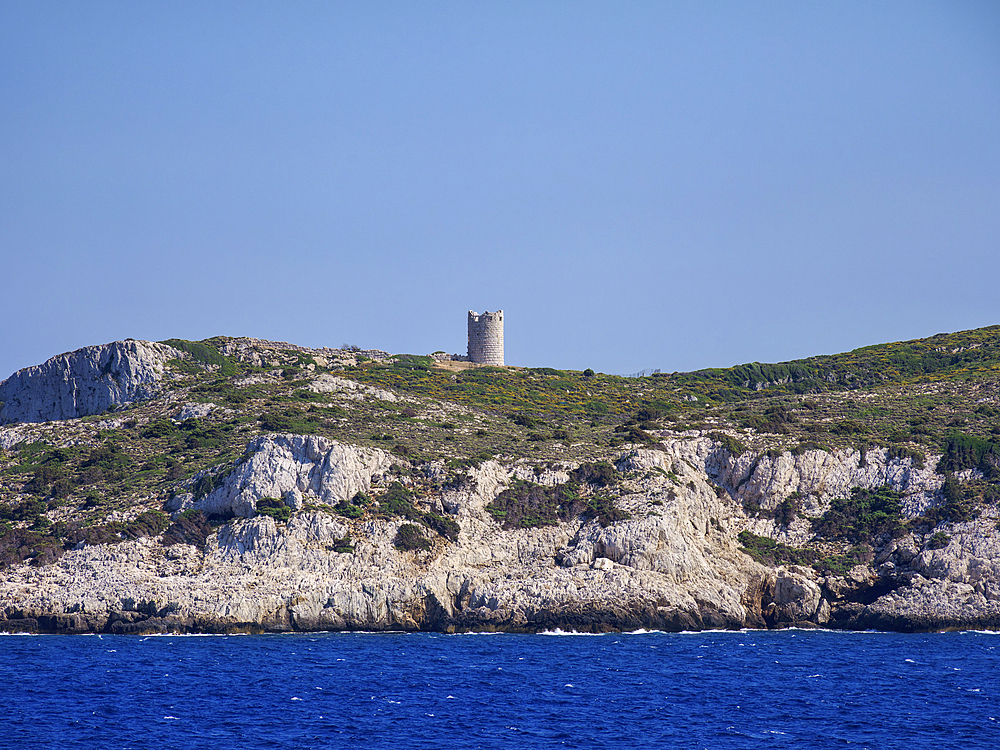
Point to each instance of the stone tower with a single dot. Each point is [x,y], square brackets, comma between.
[486,337]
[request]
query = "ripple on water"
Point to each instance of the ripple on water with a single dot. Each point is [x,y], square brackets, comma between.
[719,689]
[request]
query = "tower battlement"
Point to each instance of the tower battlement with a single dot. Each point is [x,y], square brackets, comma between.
[486,337]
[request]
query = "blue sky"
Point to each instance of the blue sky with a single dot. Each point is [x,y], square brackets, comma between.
[666,185]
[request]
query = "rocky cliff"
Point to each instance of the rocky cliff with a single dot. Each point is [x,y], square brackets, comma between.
[674,564]
[84,382]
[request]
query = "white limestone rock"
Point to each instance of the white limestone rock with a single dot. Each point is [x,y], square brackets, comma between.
[350,389]
[278,464]
[194,411]
[796,595]
[84,382]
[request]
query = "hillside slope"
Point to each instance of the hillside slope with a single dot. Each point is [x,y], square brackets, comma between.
[240,484]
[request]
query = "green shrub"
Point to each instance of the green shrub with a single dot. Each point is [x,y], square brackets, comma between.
[275,423]
[29,510]
[600,474]
[42,524]
[787,511]
[348,510]
[112,461]
[775,419]
[848,427]
[62,488]
[635,434]
[191,527]
[958,505]
[596,408]
[866,514]
[808,445]
[605,511]
[446,527]
[729,443]
[159,428]
[409,537]
[902,452]
[206,353]
[524,420]
[970,452]
[43,478]
[275,508]
[396,502]
[768,551]
[344,546]
[940,540]
[198,434]
[150,523]
[529,505]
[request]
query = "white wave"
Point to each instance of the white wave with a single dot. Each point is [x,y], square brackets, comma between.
[188,635]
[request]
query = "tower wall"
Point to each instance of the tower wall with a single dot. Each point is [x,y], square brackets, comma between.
[486,337]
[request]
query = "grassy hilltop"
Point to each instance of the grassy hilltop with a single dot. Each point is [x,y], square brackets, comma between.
[105,478]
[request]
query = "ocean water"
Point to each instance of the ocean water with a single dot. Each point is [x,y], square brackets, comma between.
[749,689]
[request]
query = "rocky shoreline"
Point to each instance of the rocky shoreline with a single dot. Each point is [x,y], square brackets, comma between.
[674,565]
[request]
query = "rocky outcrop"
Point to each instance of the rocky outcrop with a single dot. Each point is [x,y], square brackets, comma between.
[673,564]
[350,389]
[85,382]
[305,467]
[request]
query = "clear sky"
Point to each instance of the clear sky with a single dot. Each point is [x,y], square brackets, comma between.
[668,185]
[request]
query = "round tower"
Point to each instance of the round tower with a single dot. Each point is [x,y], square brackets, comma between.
[486,337]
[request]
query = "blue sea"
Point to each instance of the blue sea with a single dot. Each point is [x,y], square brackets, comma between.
[747,689]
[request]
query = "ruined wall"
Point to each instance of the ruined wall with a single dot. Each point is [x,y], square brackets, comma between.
[486,337]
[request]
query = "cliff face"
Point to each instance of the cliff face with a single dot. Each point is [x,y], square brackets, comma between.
[291,467]
[675,564]
[84,382]
[677,568]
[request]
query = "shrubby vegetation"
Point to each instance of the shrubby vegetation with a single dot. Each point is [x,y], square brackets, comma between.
[862,517]
[771,552]
[528,505]
[731,444]
[410,537]
[192,527]
[44,542]
[275,508]
[970,452]
[940,540]
[207,353]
